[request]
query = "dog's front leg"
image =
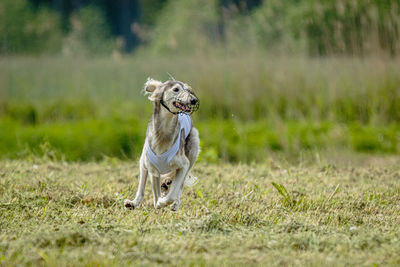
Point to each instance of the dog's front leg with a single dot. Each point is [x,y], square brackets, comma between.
[156,182]
[140,192]
[174,194]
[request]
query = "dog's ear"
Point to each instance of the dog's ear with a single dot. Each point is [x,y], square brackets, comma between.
[154,88]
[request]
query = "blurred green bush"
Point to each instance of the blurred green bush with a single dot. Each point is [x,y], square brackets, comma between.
[26,30]
[220,139]
[23,30]
[90,33]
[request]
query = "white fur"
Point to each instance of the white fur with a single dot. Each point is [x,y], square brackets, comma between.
[162,132]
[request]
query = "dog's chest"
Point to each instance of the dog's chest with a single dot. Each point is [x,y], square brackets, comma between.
[161,161]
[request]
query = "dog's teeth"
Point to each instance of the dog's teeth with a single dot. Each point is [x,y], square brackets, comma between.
[183,107]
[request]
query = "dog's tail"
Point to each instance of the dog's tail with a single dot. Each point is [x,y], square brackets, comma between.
[190,180]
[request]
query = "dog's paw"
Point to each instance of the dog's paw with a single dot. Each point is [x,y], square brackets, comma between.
[129,204]
[175,205]
[162,202]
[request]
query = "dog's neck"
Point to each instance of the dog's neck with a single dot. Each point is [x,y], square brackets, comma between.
[163,129]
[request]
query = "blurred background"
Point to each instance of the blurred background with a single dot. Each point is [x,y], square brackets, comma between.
[274,77]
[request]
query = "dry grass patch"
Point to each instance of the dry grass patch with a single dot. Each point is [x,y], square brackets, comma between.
[337,212]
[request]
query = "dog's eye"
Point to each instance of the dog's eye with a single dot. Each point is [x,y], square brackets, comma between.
[176,89]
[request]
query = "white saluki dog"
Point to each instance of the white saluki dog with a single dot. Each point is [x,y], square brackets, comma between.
[171,145]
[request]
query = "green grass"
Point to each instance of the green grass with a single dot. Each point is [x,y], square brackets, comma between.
[221,140]
[341,210]
[252,104]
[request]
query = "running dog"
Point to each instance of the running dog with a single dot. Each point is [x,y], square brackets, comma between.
[172,143]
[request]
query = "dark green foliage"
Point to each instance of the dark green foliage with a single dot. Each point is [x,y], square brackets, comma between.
[314,27]
[24,113]
[85,140]
[369,139]
[90,33]
[337,27]
[150,11]
[23,30]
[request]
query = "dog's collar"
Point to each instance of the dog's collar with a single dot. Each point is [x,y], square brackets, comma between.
[167,108]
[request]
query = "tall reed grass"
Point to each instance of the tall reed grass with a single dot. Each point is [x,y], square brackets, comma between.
[307,27]
[244,87]
[252,104]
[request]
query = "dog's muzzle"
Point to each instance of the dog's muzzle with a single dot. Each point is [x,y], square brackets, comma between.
[187,106]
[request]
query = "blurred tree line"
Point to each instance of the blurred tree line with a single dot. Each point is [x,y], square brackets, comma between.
[91,27]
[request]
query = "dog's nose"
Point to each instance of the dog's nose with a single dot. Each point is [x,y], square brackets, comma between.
[193,101]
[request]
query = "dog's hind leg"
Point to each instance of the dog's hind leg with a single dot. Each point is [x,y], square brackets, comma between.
[140,192]
[192,147]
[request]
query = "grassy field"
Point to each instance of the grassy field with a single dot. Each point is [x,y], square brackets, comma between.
[338,210]
[297,189]
[298,122]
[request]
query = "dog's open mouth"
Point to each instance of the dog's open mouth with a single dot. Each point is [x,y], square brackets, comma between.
[182,106]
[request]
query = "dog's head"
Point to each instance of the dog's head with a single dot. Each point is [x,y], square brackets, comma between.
[174,95]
